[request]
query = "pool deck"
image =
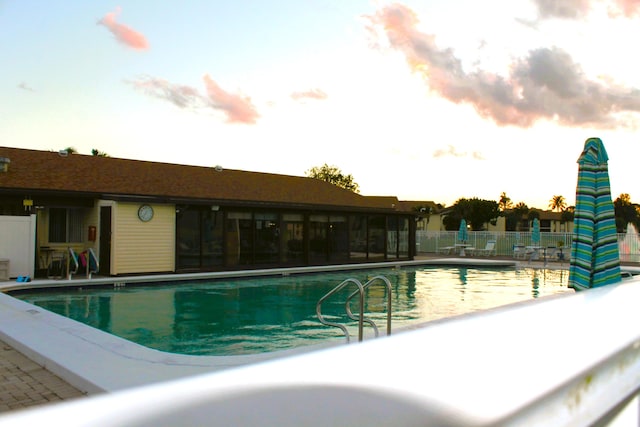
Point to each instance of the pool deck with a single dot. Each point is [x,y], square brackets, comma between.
[28,369]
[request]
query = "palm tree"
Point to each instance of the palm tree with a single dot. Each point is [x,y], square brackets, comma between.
[505,202]
[557,203]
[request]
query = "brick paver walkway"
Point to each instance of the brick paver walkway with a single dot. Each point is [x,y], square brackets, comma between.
[24,383]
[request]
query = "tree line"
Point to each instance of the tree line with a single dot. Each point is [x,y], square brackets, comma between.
[478,212]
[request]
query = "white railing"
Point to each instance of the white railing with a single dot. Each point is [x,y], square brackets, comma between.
[568,360]
[432,241]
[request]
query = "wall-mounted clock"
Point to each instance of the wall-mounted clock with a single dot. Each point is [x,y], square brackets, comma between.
[145,213]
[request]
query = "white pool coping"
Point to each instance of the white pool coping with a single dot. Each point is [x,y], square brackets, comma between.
[95,361]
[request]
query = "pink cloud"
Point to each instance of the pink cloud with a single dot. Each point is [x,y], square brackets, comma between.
[309,94]
[451,151]
[25,86]
[179,95]
[545,85]
[628,8]
[237,108]
[124,34]
[577,9]
[569,9]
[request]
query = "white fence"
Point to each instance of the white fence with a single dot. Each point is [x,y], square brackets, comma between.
[433,241]
[17,244]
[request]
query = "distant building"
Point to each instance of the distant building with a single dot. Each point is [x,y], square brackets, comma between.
[148,217]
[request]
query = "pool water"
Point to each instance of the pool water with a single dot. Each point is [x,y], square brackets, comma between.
[234,317]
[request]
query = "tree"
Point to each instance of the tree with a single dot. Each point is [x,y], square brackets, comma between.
[333,175]
[568,214]
[625,212]
[533,214]
[513,218]
[70,150]
[505,202]
[476,212]
[557,203]
[96,152]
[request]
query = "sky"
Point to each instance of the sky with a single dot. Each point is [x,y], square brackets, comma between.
[424,100]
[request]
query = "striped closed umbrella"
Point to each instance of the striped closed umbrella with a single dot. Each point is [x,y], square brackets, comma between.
[595,258]
[463,234]
[535,234]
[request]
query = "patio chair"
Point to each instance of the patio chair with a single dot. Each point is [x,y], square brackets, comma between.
[488,250]
[532,252]
[519,251]
[446,250]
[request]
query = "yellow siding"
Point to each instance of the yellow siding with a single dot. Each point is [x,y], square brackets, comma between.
[142,247]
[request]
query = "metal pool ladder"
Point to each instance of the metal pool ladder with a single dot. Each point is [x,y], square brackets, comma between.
[361,319]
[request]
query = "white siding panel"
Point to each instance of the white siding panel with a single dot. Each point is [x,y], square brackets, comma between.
[143,247]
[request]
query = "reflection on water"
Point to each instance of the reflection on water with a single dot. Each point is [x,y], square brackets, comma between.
[265,314]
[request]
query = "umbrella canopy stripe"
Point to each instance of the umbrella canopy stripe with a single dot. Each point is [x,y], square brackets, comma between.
[535,234]
[463,234]
[595,258]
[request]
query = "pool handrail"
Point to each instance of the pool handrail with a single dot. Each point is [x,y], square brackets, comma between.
[366,319]
[93,264]
[72,263]
[338,288]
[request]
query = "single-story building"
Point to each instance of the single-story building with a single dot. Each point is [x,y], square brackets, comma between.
[148,217]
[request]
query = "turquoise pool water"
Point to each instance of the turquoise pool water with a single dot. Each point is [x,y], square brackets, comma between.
[234,317]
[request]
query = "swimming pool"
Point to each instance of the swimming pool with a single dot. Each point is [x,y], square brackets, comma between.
[264,314]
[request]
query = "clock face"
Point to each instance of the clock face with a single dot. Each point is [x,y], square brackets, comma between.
[145,213]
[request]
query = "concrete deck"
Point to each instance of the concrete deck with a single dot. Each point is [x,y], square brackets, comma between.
[29,381]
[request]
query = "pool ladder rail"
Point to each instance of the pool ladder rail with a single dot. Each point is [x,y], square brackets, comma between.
[360,318]
[86,259]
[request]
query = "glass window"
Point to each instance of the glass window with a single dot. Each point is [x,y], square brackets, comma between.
[211,237]
[403,238]
[239,239]
[293,238]
[338,238]
[392,237]
[188,238]
[199,237]
[318,238]
[267,238]
[358,237]
[65,225]
[377,238]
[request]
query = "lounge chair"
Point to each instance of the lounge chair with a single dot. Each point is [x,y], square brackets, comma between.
[488,250]
[446,250]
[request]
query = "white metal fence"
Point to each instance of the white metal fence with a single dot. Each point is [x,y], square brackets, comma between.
[433,241]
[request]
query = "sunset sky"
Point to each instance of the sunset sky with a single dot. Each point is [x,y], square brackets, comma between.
[423,100]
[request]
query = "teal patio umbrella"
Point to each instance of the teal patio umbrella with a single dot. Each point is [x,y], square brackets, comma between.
[595,258]
[535,234]
[463,234]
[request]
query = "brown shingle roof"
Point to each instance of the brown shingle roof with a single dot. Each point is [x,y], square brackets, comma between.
[46,171]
